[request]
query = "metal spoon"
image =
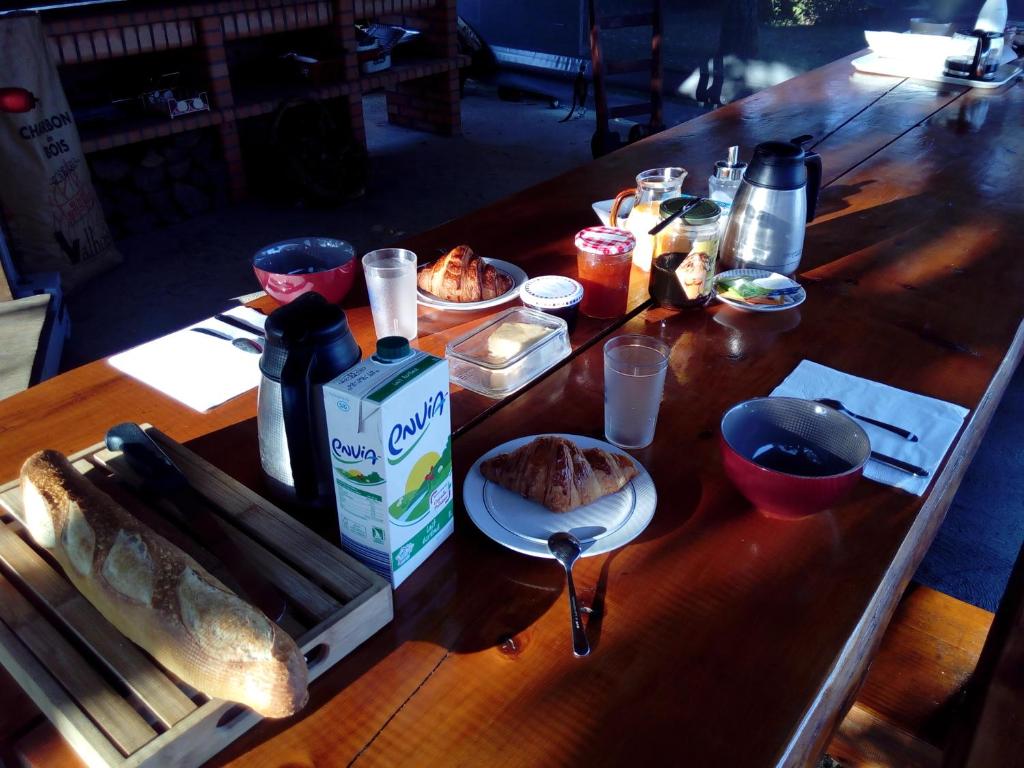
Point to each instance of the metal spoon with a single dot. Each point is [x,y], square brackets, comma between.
[895,430]
[566,548]
[239,342]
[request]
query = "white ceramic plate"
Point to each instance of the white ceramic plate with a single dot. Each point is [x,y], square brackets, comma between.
[794,300]
[524,526]
[518,276]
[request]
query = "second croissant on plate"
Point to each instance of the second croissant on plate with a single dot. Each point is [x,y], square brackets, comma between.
[462,276]
[557,473]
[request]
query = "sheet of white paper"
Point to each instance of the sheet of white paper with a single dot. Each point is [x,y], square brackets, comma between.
[935,422]
[198,370]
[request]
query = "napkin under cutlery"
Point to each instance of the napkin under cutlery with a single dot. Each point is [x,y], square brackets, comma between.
[198,370]
[936,422]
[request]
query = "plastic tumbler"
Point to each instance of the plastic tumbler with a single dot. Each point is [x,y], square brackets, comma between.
[391,283]
[634,379]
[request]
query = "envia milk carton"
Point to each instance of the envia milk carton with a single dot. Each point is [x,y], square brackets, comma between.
[389,426]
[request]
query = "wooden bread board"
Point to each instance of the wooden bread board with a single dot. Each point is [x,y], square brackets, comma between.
[109,699]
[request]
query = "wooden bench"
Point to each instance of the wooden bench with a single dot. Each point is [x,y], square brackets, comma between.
[946,688]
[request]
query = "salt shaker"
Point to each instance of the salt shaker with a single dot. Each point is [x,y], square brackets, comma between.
[725,182]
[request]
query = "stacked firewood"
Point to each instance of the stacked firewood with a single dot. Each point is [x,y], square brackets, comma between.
[158,183]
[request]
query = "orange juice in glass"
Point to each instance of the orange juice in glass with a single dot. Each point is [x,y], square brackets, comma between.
[652,188]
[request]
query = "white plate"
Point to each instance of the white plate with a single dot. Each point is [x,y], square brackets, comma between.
[795,300]
[524,526]
[518,278]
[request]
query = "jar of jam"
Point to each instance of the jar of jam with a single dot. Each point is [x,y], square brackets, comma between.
[686,255]
[604,256]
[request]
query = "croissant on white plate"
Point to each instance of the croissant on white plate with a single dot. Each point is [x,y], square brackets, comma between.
[557,473]
[460,275]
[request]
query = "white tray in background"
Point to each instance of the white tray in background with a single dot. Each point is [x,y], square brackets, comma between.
[877,65]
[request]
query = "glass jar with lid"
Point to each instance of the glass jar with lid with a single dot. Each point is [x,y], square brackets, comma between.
[686,255]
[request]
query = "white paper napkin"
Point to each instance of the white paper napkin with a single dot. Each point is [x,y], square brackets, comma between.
[919,54]
[935,422]
[196,369]
[603,209]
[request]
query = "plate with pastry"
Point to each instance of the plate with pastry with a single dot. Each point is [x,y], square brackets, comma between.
[463,281]
[522,491]
[758,290]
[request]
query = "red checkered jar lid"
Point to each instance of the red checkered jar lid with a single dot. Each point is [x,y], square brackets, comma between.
[607,241]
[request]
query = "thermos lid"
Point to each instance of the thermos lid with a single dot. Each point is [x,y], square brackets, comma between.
[705,212]
[777,165]
[392,348]
[308,322]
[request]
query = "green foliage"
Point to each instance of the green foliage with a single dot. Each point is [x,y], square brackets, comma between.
[786,13]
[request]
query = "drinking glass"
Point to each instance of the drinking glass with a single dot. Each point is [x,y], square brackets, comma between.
[391,283]
[634,379]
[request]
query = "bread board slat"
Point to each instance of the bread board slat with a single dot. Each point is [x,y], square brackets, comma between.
[275,529]
[363,605]
[88,741]
[154,689]
[127,730]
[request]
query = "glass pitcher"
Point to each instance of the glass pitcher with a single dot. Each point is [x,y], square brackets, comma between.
[652,187]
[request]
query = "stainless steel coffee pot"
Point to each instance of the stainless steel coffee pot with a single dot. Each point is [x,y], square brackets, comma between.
[776,199]
[308,344]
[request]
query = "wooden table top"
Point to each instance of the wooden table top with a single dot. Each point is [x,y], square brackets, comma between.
[720,635]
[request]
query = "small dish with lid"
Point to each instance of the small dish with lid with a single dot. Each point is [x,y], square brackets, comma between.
[508,351]
[554,295]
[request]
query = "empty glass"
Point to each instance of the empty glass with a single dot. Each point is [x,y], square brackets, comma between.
[391,283]
[634,378]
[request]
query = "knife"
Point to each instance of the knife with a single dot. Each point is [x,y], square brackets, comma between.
[240,324]
[162,478]
[913,469]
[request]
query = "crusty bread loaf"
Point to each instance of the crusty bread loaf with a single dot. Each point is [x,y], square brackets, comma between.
[460,275]
[158,596]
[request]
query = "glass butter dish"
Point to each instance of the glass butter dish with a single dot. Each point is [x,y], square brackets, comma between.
[507,352]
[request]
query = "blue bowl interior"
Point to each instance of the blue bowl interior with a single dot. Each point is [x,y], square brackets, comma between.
[304,256]
[796,437]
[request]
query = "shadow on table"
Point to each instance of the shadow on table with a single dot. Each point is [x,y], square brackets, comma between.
[835,197]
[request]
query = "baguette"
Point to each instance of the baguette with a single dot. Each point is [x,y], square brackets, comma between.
[158,596]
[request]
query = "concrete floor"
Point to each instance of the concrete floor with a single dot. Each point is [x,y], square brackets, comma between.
[181,274]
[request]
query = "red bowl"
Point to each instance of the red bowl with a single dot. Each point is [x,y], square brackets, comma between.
[791,457]
[288,269]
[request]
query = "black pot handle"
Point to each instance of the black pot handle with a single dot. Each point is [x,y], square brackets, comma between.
[813,162]
[295,412]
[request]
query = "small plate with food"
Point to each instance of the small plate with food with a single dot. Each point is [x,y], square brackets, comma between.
[462,281]
[522,491]
[758,290]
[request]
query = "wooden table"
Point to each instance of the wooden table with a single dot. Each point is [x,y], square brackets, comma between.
[721,637]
